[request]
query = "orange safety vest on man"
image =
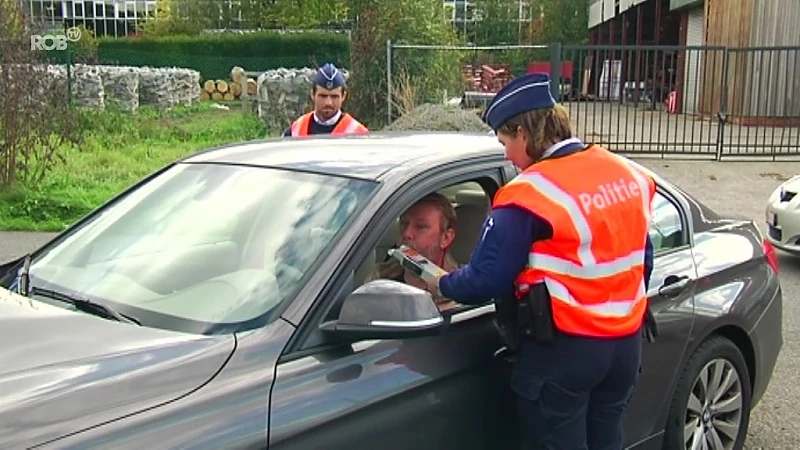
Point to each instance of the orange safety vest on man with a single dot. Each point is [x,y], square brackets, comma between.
[593,266]
[347,125]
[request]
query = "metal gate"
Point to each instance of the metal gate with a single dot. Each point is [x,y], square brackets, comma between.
[708,102]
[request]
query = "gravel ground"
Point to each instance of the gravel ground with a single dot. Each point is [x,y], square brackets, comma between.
[729,187]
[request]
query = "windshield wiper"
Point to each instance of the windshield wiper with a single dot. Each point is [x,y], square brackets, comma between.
[86,305]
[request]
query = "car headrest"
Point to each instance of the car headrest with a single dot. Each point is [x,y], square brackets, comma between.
[365,269]
[470,218]
[475,198]
[390,235]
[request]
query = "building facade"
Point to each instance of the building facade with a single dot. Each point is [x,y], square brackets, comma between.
[105,17]
[738,57]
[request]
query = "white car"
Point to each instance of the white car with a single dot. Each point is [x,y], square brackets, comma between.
[783,216]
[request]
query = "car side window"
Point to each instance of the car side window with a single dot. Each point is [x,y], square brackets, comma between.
[666,227]
[464,205]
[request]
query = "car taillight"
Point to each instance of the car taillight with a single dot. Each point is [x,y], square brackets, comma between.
[772,257]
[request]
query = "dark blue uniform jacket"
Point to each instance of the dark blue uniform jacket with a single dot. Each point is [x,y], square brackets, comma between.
[502,253]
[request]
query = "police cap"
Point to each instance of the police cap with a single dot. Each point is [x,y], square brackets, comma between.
[522,94]
[329,77]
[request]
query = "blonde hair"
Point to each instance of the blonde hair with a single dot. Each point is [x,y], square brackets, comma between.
[542,128]
[444,206]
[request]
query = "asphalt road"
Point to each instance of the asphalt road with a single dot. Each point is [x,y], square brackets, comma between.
[743,188]
[732,187]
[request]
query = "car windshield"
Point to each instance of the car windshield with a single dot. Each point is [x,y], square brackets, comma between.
[203,248]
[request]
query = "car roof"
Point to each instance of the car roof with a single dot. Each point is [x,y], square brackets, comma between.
[359,156]
[377,155]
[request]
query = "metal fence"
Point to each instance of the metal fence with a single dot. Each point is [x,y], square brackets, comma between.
[702,101]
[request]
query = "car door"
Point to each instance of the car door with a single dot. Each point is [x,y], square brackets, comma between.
[441,392]
[671,294]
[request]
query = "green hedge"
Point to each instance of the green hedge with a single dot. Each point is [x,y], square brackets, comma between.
[213,55]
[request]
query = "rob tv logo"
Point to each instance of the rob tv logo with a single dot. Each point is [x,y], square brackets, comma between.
[55,41]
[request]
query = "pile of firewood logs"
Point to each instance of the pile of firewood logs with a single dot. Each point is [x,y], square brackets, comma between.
[228,90]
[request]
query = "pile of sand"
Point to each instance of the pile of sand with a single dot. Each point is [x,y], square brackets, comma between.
[430,117]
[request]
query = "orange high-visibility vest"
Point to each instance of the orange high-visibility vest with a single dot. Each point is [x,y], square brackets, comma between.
[593,267]
[347,125]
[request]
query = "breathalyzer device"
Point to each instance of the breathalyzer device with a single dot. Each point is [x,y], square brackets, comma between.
[416,263]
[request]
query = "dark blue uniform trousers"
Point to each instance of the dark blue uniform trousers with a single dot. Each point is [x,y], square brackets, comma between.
[572,393]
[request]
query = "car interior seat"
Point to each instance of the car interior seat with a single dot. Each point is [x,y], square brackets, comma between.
[451,191]
[376,255]
[389,240]
[366,268]
[472,208]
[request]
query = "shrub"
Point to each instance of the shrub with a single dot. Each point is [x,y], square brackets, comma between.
[85,48]
[213,55]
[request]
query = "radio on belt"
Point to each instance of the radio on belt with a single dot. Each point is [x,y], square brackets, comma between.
[416,263]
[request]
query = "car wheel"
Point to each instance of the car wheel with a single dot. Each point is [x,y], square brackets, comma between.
[711,406]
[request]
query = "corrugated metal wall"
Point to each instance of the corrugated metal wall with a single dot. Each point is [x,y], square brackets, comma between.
[772,82]
[729,23]
[695,35]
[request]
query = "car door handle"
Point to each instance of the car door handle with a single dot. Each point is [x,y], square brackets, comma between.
[674,285]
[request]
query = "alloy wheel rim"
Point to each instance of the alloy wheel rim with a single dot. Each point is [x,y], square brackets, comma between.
[714,411]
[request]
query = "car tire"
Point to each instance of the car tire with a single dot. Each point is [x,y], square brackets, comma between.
[693,415]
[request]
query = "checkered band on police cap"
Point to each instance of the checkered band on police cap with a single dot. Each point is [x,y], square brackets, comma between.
[522,94]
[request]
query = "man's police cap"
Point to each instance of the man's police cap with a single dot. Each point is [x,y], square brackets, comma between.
[522,94]
[329,77]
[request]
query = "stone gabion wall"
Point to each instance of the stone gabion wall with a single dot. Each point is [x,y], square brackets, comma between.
[95,86]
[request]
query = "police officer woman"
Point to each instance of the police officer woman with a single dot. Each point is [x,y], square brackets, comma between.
[566,253]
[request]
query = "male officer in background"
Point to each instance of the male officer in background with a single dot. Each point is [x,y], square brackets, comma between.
[328,93]
[566,252]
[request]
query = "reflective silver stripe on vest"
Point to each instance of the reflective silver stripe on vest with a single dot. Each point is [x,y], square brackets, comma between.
[563,266]
[588,268]
[352,126]
[556,195]
[296,127]
[644,186]
[610,308]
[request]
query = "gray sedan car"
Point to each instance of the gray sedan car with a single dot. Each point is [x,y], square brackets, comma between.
[223,302]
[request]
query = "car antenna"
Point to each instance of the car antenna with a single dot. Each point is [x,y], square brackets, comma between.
[24,278]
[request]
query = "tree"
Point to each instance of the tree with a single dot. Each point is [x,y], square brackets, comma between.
[431,73]
[564,21]
[303,14]
[36,121]
[498,22]
[192,16]
[173,17]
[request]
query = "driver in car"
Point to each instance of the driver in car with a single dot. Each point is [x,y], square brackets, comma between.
[428,227]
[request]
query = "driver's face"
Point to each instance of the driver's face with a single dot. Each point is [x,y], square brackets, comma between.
[421,229]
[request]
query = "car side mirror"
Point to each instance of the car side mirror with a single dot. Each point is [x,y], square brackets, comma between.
[386,309]
[5,270]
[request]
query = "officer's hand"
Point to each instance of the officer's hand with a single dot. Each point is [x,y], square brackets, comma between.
[433,287]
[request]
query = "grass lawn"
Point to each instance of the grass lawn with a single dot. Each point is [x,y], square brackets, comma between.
[118,150]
